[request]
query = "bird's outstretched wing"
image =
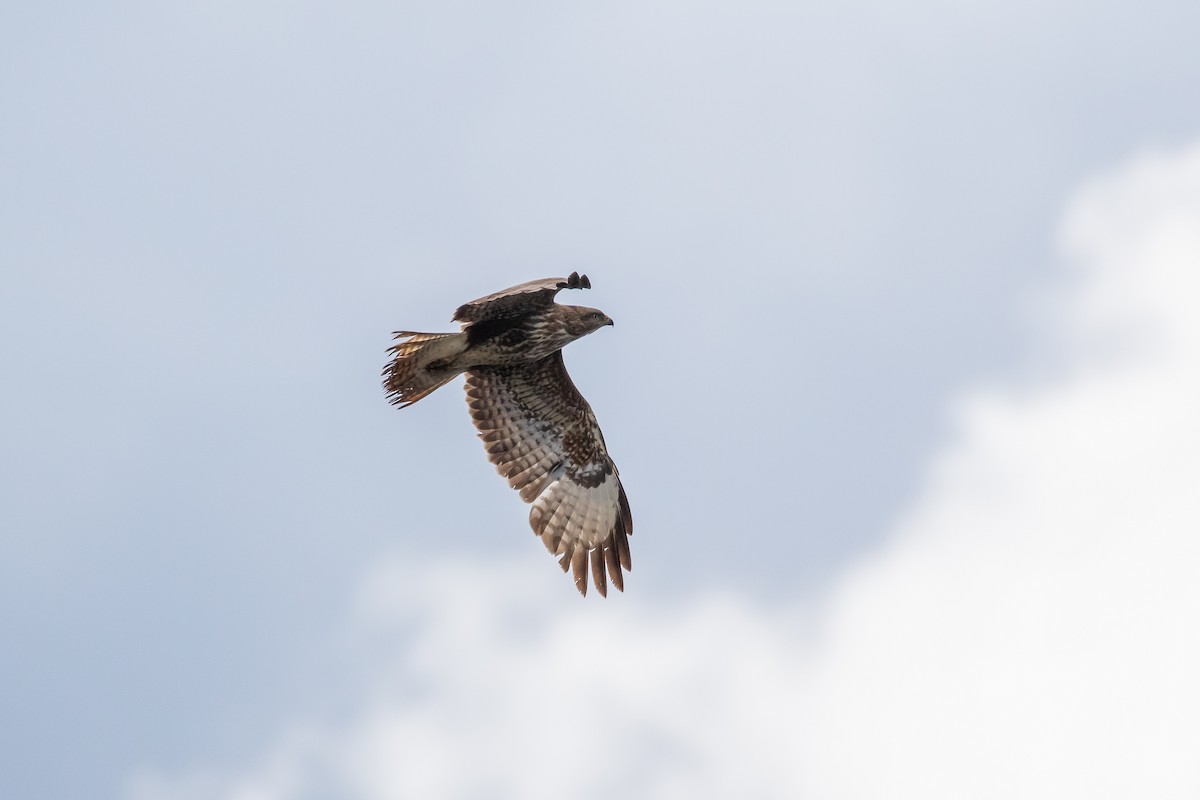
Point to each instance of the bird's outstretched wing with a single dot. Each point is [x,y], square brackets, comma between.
[519,299]
[543,437]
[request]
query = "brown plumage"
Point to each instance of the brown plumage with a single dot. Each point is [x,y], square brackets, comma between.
[538,430]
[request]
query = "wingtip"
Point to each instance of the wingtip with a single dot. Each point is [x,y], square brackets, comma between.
[614,566]
[598,577]
[623,554]
[575,281]
[579,565]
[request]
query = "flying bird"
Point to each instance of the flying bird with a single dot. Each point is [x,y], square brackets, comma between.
[538,430]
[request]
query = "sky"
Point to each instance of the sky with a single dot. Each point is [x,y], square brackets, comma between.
[900,388]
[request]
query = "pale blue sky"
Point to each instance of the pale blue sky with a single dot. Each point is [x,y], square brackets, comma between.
[811,225]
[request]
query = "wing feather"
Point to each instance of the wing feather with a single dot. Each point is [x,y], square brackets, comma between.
[542,436]
[579,565]
[614,567]
[598,577]
[520,299]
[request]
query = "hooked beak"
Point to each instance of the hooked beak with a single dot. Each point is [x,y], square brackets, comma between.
[610,322]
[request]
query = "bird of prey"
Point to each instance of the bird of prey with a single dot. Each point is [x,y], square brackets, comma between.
[538,430]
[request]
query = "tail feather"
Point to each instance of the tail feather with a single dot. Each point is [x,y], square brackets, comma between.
[421,362]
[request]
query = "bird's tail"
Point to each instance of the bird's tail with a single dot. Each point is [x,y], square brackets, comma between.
[420,363]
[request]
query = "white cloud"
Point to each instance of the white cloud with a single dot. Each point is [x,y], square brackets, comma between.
[1030,629]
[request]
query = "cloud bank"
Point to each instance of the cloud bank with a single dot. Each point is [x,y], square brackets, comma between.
[1029,629]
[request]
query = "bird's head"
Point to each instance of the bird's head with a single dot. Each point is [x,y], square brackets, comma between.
[581,320]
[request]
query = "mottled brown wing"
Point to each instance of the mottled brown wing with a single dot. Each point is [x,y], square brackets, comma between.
[520,299]
[543,437]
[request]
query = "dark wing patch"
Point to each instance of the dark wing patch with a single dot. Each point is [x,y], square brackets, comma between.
[543,437]
[519,299]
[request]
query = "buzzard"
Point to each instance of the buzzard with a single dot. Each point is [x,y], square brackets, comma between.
[538,430]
